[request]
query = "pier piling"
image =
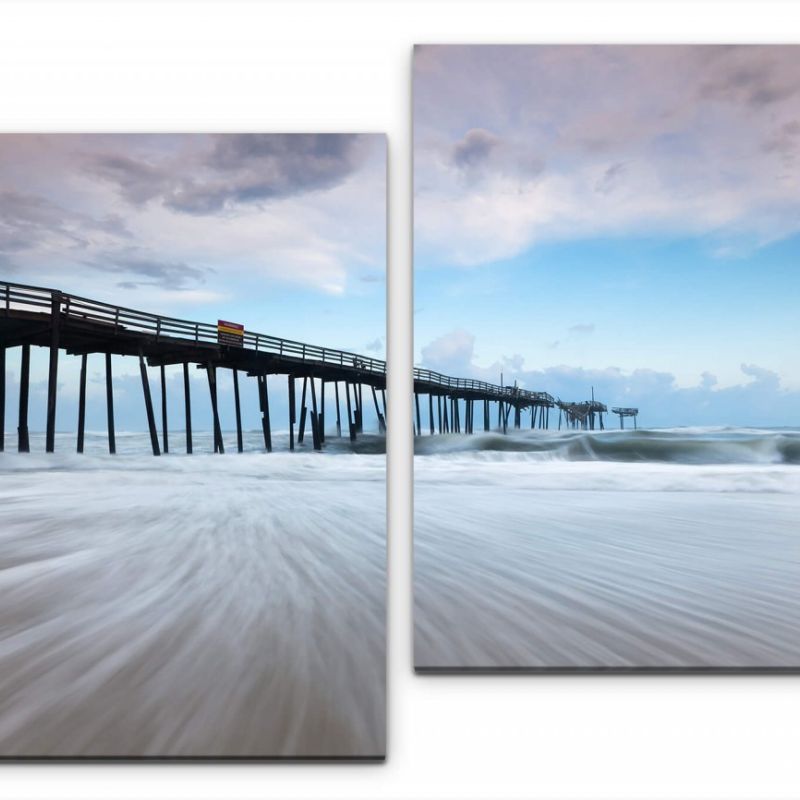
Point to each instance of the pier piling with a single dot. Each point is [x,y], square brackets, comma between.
[52,373]
[211,371]
[23,440]
[303,411]
[187,407]
[291,412]
[112,440]
[338,412]
[239,443]
[82,404]
[2,398]
[164,424]
[315,437]
[148,405]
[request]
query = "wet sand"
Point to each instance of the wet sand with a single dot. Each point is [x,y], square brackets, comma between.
[523,564]
[192,606]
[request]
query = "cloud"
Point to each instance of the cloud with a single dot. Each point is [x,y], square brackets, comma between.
[582,329]
[661,400]
[451,353]
[165,274]
[233,170]
[376,345]
[753,83]
[611,178]
[785,142]
[764,377]
[29,221]
[474,148]
[572,142]
[171,216]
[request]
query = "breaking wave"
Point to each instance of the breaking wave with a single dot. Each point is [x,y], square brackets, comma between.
[666,446]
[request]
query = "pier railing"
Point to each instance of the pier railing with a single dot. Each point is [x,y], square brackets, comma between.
[471,385]
[18,297]
[21,297]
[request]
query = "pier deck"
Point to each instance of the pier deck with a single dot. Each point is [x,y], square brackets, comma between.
[31,315]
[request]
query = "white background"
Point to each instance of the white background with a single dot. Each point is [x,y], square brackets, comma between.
[342,66]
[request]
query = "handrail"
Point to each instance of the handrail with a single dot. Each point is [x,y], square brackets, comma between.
[121,318]
[21,296]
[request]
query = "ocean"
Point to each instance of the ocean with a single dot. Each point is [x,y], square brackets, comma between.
[203,605]
[671,548]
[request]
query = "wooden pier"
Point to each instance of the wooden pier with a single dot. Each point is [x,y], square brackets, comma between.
[626,412]
[35,316]
[587,416]
[452,401]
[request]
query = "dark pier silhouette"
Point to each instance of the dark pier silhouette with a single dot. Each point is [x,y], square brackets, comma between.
[35,316]
[587,415]
[626,412]
[452,402]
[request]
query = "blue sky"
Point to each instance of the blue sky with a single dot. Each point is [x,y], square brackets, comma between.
[284,233]
[627,217]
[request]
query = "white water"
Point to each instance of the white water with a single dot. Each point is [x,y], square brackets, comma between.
[524,559]
[229,605]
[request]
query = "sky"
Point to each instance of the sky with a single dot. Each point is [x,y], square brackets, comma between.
[283,233]
[622,217]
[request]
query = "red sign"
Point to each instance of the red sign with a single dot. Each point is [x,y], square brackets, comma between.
[230,333]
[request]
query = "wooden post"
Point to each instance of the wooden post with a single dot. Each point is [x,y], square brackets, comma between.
[416,404]
[446,421]
[321,425]
[291,412]
[52,374]
[112,441]
[439,411]
[430,413]
[239,443]
[381,420]
[338,413]
[164,428]
[263,397]
[148,404]
[187,406]
[302,429]
[317,442]
[2,398]
[355,407]
[486,423]
[350,424]
[360,388]
[82,404]
[211,371]
[23,440]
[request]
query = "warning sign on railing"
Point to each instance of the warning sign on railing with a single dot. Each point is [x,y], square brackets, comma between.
[230,333]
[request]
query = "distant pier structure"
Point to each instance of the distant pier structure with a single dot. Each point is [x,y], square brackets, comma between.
[587,415]
[50,318]
[452,403]
[626,412]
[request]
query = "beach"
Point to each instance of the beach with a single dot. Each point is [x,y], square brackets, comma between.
[671,549]
[183,606]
